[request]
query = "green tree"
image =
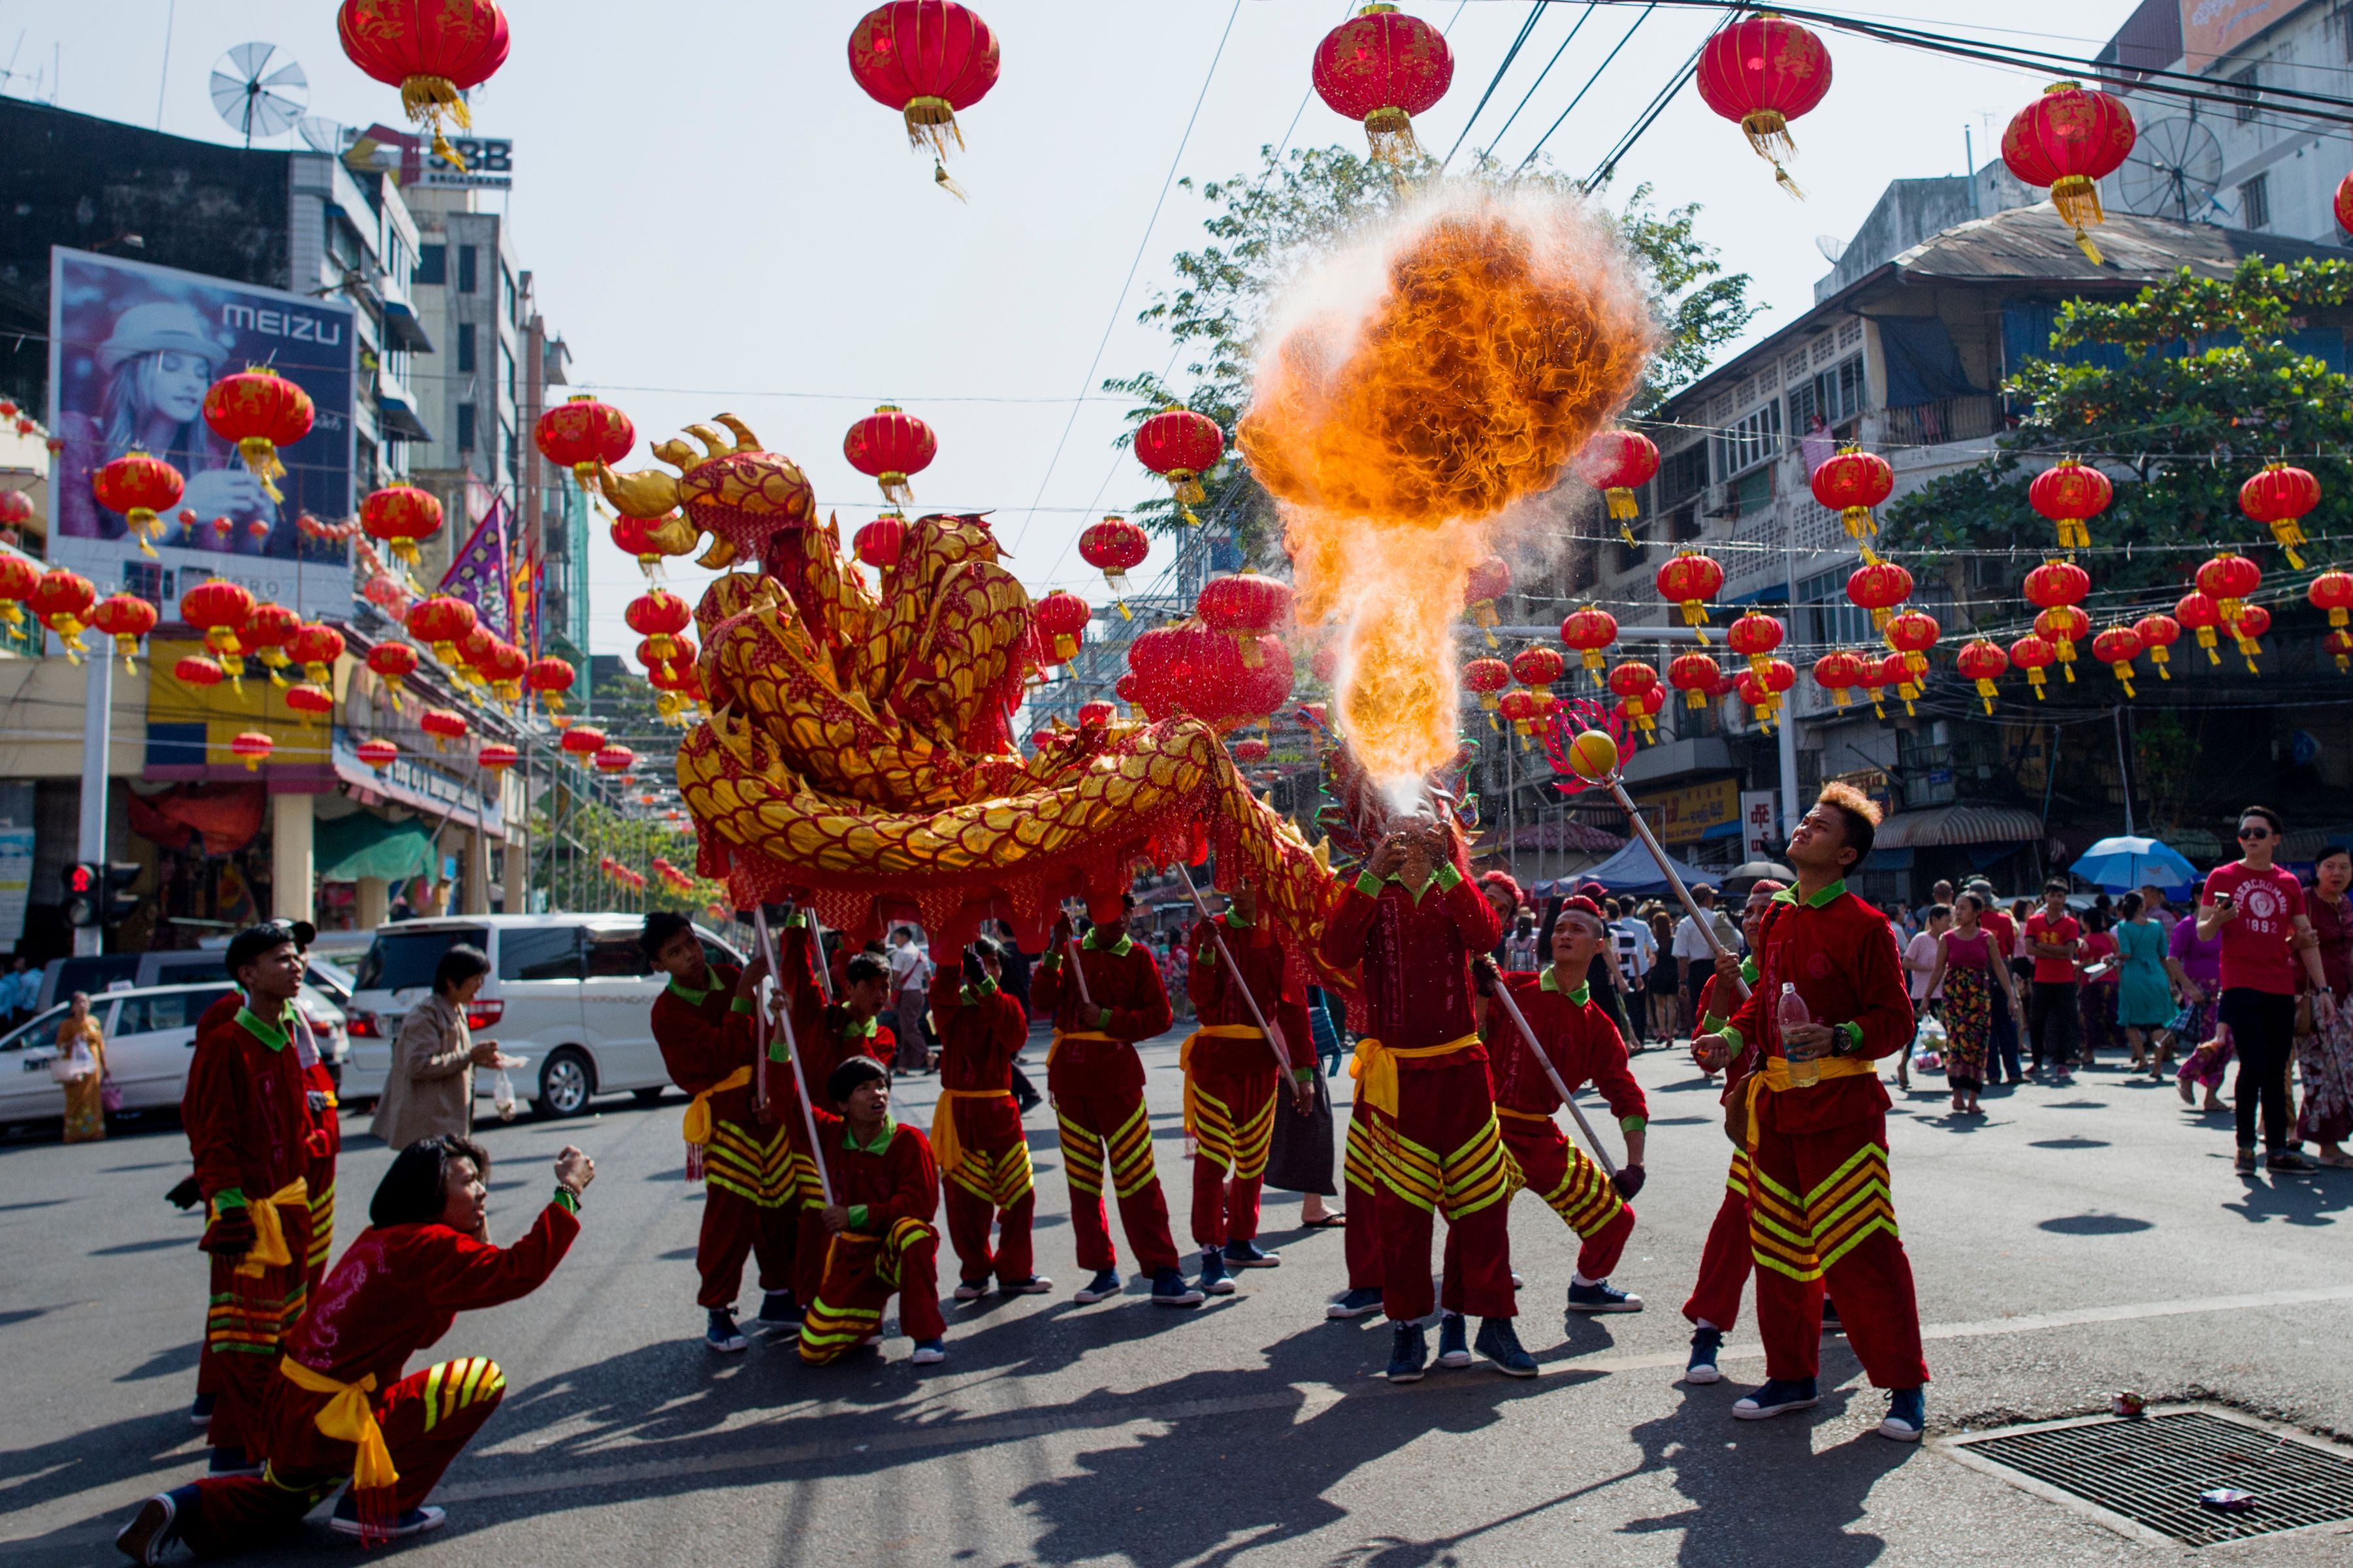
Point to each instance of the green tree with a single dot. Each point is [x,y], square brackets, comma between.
[2182,391]
[1263,226]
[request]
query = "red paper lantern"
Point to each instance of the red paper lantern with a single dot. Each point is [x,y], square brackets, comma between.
[880,542]
[1762,73]
[1850,483]
[398,516]
[2230,578]
[2064,625]
[2340,644]
[260,411]
[17,509]
[1253,750]
[1096,715]
[1640,710]
[195,669]
[125,617]
[315,647]
[1631,678]
[1518,708]
[585,436]
[1755,636]
[503,666]
[1760,697]
[2069,140]
[550,677]
[1982,661]
[444,724]
[378,754]
[888,447]
[1382,67]
[1061,621]
[441,621]
[1614,462]
[1696,676]
[304,697]
[1537,666]
[265,635]
[2033,654]
[1590,631]
[498,757]
[59,601]
[2069,493]
[615,759]
[2157,632]
[1489,579]
[139,487]
[18,576]
[391,661]
[1879,586]
[2251,623]
[252,748]
[635,536]
[655,615]
[581,742]
[2118,646]
[1913,634]
[2056,582]
[1114,547]
[1190,669]
[1484,678]
[433,50]
[1688,580]
[1896,670]
[926,58]
[1180,446]
[1839,672]
[2345,222]
[2332,590]
[2202,615]
[1245,606]
[2278,498]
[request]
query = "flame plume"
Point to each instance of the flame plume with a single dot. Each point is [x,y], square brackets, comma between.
[1415,384]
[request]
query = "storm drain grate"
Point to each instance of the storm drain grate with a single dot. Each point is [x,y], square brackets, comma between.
[2151,1470]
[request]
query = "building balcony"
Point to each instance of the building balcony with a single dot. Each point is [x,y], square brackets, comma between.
[1971,418]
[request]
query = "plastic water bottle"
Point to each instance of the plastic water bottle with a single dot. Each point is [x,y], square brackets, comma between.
[502,1095]
[1791,1008]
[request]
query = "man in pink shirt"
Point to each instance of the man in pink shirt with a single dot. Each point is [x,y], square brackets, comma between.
[2051,938]
[2259,910]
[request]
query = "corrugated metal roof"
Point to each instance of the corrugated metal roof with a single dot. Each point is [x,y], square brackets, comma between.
[1945,826]
[2033,243]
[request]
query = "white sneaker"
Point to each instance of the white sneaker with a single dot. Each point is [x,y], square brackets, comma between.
[967,1291]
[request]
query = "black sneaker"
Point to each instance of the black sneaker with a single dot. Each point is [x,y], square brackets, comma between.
[1602,1296]
[154,1527]
[1360,1302]
[1028,1284]
[721,1333]
[779,1310]
[1775,1398]
[1251,1255]
[1707,1343]
[1501,1344]
[1102,1288]
[1453,1341]
[200,1414]
[1409,1354]
[346,1520]
[971,1290]
[1169,1288]
[1214,1280]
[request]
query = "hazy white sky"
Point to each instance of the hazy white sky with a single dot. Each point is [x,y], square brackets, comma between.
[720,219]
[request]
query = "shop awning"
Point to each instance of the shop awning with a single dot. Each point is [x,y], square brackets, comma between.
[1945,826]
[346,849]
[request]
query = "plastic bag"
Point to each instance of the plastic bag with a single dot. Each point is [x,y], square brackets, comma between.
[502,1095]
[73,1066]
[1928,1062]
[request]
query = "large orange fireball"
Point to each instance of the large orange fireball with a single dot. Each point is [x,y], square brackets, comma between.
[1416,382]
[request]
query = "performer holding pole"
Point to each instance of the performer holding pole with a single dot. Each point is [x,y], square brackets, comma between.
[1565,1040]
[978,1141]
[1830,1000]
[882,1238]
[1104,995]
[1232,1063]
[836,1030]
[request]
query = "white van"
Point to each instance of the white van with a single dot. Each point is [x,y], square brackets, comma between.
[572,993]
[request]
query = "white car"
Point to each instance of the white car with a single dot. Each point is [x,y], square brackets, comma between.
[150,1033]
[571,993]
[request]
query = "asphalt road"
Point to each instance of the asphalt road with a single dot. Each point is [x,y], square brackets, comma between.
[2073,1243]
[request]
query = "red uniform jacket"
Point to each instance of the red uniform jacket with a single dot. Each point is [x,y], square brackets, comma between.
[981,1031]
[1125,981]
[1416,959]
[704,1039]
[1841,954]
[880,1187]
[1582,1042]
[329,1140]
[1265,963]
[247,1109]
[1717,1000]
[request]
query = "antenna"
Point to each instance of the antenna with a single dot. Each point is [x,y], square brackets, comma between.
[1830,246]
[321,134]
[259,91]
[2175,168]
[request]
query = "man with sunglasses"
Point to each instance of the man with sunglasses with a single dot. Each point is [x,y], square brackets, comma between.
[2258,907]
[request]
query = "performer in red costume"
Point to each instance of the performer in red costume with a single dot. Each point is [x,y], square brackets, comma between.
[1412,919]
[976,1135]
[831,1033]
[1585,1046]
[1096,1081]
[1830,1000]
[257,1133]
[1714,1304]
[752,1159]
[338,1406]
[1230,1080]
[885,1190]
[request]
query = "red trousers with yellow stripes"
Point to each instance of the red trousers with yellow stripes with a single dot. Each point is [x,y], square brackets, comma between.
[1360,1172]
[1724,1259]
[754,1182]
[1573,1187]
[1109,1127]
[1444,1152]
[992,1185]
[246,1319]
[1233,1124]
[321,1180]
[1820,1213]
[427,1418]
[862,1273]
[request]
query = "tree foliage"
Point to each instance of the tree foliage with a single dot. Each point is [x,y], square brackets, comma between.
[1263,227]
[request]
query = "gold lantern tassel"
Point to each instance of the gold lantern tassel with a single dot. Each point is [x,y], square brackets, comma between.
[430,100]
[2124,675]
[1986,690]
[2073,534]
[144,523]
[2289,535]
[1860,524]
[260,454]
[2077,197]
[1769,136]
[2034,677]
[1390,132]
[946,182]
[2249,648]
[2157,657]
[932,126]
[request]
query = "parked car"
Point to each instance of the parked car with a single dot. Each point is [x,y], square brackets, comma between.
[151,1034]
[571,993]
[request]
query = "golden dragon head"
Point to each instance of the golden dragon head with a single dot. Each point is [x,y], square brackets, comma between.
[734,489]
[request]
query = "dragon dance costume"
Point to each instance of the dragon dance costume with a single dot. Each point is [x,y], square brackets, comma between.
[1585,1046]
[1724,1259]
[1229,1072]
[977,1139]
[892,1189]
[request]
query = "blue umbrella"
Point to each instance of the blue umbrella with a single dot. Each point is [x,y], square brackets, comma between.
[2120,865]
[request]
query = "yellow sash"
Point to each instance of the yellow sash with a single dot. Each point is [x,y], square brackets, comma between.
[1776,1074]
[1522,1115]
[1078,1035]
[347,1416]
[1185,1062]
[1375,1072]
[269,1249]
[947,1148]
[697,1109]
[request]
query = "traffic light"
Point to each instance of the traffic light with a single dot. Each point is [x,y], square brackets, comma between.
[95,894]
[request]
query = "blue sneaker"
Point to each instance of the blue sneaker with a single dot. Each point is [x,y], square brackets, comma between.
[200,1414]
[721,1332]
[1102,1288]
[1361,1302]
[779,1310]
[1501,1344]
[1602,1298]
[1251,1255]
[1707,1343]
[1409,1352]
[1214,1280]
[1453,1341]
[1169,1289]
[1775,1398]
[1907,1413]
[930,1352]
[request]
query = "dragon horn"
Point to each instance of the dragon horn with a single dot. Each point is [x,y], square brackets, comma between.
[719,557]
[676,535]
[677,454]
[649,493]
[745,440]
[714,444]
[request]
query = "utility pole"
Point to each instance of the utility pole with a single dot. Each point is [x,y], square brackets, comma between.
[97,730]
[533,534]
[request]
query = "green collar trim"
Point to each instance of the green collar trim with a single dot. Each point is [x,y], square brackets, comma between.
[692,998]
[1790,895]
[857,1028]
[1748,972]
[274,1035]
[1551,982]
[1234,918]
[1120,950]
[882,1139]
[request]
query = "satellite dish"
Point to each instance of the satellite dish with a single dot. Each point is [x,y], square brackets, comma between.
[321,134]
[258,93]
[1830,246]
[2175,168]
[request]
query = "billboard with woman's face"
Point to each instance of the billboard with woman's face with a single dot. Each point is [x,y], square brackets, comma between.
[132,349]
